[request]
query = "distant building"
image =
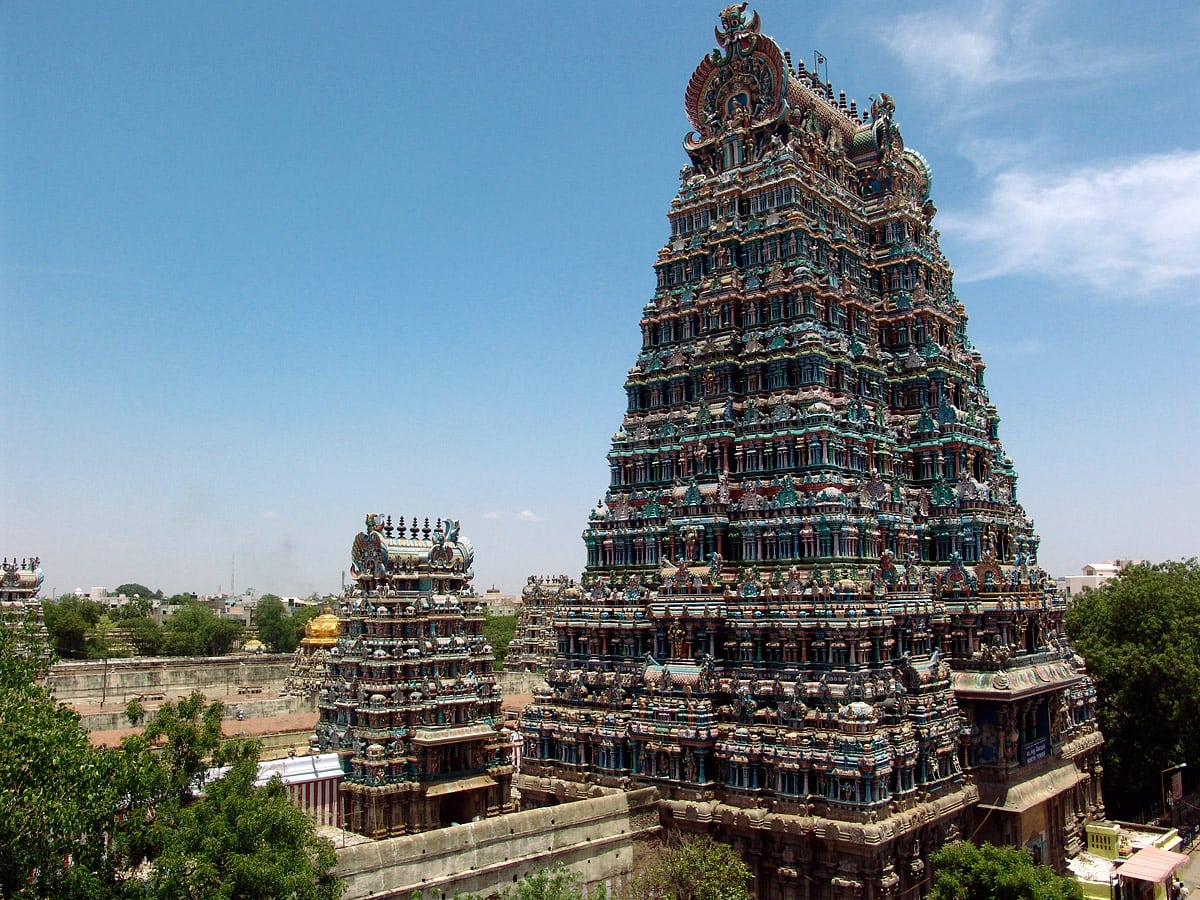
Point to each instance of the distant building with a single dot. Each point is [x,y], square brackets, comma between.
[496,603]
[1123,861]
[410,703]
[1095,574]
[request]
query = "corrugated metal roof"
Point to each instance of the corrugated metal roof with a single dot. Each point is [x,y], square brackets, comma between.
[1152,864]
[298,769]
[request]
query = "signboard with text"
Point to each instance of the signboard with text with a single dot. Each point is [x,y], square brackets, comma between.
[1035,750]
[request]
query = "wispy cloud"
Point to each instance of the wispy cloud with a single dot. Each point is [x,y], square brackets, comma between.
[490,516]
[269,514]
[1128,229]
[528,515]
[1024,347]
[983,45]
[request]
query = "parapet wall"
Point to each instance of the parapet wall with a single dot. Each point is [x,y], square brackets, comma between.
[122,680]
[519,682]
[262,707]
[593,837]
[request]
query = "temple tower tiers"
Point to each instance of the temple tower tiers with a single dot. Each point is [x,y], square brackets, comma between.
[20,583]
[310,663]
[812,613]
[410,702]
[534,644]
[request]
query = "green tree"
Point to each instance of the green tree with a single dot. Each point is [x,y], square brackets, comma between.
[1140,635]
[100,640]
[962,871]
[135,608]
[555,882]
[135,712]
[195,630]
[236,840]
[697,868]
[499,631]
[71,621]
[240,841]
[78,821]
[146,635]
[59,796]
[140,600]
[275,627]
[133,589]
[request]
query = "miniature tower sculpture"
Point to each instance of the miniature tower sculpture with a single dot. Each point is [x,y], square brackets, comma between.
[812,602]
[410,701]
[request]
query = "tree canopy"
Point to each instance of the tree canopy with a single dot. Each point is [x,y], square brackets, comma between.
[78,821]
[963,871]
[499,631]
[195,630]
[133,589]
[275,626]
[697,868]
[1140,635]
[71,623]
[54,788]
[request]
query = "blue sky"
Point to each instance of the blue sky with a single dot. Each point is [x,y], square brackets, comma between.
[267,267]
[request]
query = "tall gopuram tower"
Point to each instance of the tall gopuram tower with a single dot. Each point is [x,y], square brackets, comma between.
[812,614]
[410,701]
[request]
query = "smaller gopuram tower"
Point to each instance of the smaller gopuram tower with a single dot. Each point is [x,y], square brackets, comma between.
[19,586]
[534,644]
[310,664]
[410,702]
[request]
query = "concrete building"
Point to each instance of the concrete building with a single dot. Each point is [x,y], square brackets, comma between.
[1095,574]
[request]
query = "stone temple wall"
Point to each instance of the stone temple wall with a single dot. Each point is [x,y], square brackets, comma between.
[121,680]
[593,837]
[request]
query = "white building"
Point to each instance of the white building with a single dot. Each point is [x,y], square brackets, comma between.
[1095,574]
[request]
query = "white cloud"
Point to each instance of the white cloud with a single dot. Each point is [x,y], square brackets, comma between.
[490,516]
[965,49]
[1125,230]
[528,515]
[269,514]
[987,44]
[990,155]
[1023,347]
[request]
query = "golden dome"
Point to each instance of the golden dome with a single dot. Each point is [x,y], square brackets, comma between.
[322,630]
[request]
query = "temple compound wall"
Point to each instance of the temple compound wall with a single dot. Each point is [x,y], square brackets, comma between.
[812,613]
[218,677]
[594,837]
